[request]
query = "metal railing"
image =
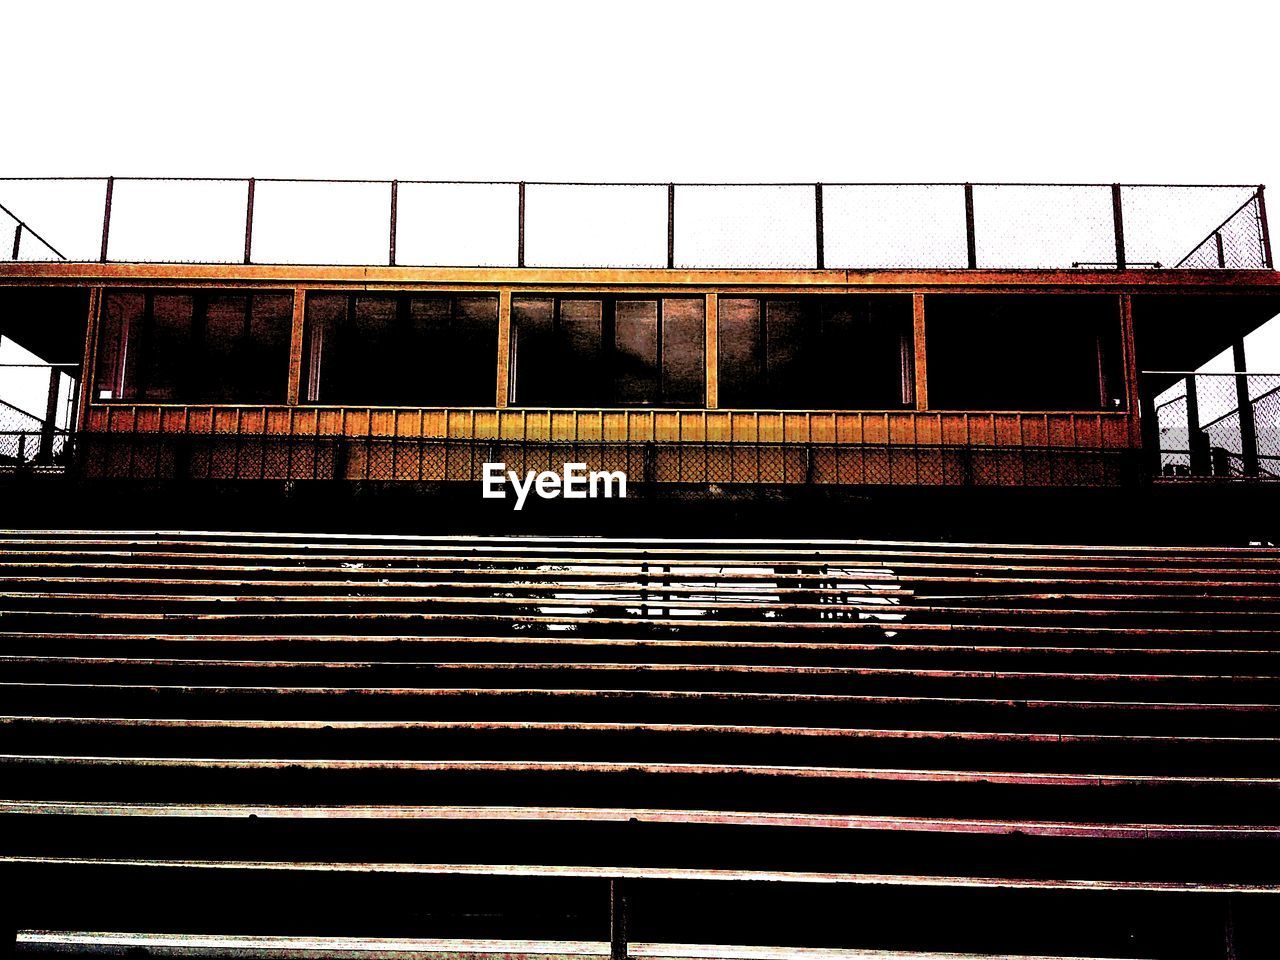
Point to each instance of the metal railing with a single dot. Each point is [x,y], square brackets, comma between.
[29,439]
[149,455]
[1221,425]
[645,225]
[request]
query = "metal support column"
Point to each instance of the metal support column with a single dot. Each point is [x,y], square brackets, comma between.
[296,335]
[921,367]
[49,426]
[712,324]
[1197,448]
[1244,409]
[503,386]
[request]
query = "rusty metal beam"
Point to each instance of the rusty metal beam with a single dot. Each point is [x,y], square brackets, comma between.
[712,358]
[651,279]
[919,348]
[503,386]
[296,336]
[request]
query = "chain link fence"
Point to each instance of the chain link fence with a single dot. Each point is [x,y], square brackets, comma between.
[645,225]
[28,439]
[1223,425]
[155,456]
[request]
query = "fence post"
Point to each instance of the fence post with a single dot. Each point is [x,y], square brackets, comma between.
[817,210]
[395,204]
[1117,218]
[106,217]
[617,921]
[520,240]
[671,225]
[1244,410]
[971,237]
[248,223]
[1266,230]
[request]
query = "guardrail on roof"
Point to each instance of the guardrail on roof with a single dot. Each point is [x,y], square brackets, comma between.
[643,225]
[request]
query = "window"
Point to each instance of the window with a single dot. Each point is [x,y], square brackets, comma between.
[1024,352]
[592,352]
[194,347]
[436,350]
[816,352]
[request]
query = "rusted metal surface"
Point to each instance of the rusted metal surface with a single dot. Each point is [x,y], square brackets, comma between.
[1052,719]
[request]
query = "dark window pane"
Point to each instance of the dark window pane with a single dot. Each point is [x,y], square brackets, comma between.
[1023,352]
[166,355]
[264,355]
[741,352]
[325,311]
[121,322]
[402,351]
[534,361]
[684,340]
[789,325]
[815,353]
[635,358]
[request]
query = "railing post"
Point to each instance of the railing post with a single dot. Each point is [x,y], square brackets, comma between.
[617,921]
[817,211]
[1117,218]
[1244,410]
[395,204]
[671,225]
[520,239]
[17,239]
[106,217]
[1266,230]
[970,234]
[248,223]
[1222,254]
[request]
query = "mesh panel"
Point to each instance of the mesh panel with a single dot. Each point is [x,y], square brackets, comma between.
[586,225]
[457,224]
[324,223]
[894,226]
[1043,226]
[1215,445]
[670,464]
[745,226]
[1163,224]
[19,243]
[595,226]
[67,213]
[1237,243]
[195,221]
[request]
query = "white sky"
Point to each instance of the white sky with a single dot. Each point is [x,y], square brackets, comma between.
[655,91]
